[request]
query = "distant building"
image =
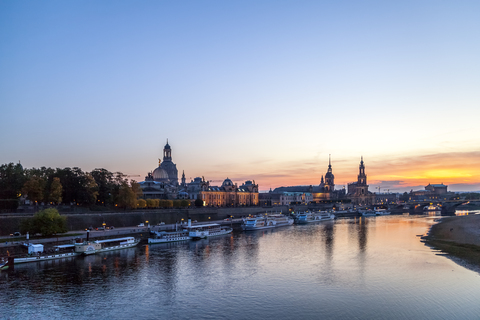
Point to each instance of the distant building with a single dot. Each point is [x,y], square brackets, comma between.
[162,183]
[358,191]
[431,192]
[386,198]
[228,194]
[167,170]
[324,191]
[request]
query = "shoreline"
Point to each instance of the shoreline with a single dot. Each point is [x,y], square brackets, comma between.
[459,239]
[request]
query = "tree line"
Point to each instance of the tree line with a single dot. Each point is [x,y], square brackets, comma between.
[66,185]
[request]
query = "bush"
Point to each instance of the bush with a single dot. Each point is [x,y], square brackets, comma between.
[141,203]
[151,203]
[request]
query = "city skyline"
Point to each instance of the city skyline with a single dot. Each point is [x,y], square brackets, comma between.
[260,91]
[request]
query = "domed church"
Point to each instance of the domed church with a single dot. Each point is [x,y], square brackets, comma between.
[167,170]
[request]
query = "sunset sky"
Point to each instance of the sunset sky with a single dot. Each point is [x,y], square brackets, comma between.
[257,90]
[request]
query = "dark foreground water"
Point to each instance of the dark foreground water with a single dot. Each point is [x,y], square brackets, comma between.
[373,268]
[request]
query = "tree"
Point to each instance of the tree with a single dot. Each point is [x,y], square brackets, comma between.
[12,179]
[34,189]
[176,203]
[184,203]
[151,203]
[141,203]
[136,189]
[46,222]
[198,203]
[126,197]
[104,180]
[56,191]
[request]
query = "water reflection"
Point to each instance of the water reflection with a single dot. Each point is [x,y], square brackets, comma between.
[466,212]
[365,268]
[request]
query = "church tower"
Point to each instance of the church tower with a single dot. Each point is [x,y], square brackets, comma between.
[184,183]
[329,177]
[167,152]
[362,177]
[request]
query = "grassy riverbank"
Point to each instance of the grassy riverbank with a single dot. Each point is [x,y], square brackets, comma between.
[458,237]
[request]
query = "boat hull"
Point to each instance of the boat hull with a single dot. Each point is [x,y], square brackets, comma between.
[153,241]
[44,258]
[112,248]
[207,234]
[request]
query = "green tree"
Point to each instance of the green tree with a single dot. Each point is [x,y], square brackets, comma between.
[176,203]
[34,188]
[184,203]
[126,197]
[56,191]
[46,222]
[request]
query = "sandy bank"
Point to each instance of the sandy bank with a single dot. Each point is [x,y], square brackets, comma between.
[459,237]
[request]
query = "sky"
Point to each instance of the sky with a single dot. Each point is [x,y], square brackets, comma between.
[249,90]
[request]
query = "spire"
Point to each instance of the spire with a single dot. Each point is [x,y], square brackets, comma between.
[361,162]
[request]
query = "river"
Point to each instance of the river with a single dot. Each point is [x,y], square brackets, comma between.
[363,268]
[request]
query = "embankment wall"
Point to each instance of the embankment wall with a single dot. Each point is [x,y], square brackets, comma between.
[80,221]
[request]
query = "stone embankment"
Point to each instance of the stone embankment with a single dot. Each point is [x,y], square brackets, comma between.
[10,223]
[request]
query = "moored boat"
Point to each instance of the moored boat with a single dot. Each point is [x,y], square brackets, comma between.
[381,212]
[165,237]
[309,217]
[92,247]
[432,208]
[266,222]
[36,253]
[367,213]
[3,265]
[202,231]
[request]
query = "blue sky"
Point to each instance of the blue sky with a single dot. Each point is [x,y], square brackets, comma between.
[261,90]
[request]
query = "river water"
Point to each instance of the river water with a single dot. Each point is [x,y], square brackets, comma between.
[363,268]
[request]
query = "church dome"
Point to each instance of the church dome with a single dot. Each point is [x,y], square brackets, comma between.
[227,183]
[160,174]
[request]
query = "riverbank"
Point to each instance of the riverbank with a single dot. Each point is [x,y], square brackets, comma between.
[459,237]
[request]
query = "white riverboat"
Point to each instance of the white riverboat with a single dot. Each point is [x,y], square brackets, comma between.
[202,231]
[431,208]
[309,217]
[92,247]
[165,236]
[381,212]
[36,253]
[367,213]
[266,222]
